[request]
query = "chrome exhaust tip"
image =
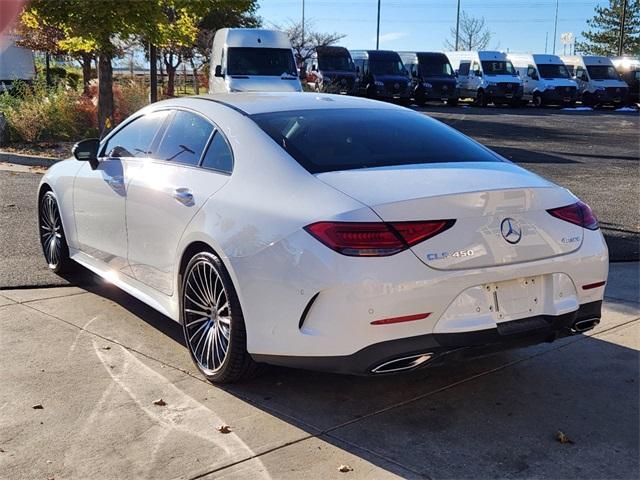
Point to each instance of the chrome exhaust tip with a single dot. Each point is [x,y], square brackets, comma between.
[404,363]
[585,325]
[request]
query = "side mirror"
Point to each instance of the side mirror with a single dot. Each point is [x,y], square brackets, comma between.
[357,69]
[314,68]
[414,74]
[87,151]
[478,73]
[218,72]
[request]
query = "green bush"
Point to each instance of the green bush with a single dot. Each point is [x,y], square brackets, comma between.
[37,113]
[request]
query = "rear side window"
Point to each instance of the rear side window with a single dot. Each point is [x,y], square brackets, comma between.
[325,140]
[135,138]
[185,138]
[218,156]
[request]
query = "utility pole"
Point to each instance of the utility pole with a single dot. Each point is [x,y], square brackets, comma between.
[378,30]
[458,26]
[555,29]
[622,22]
[546,41]
[302,23]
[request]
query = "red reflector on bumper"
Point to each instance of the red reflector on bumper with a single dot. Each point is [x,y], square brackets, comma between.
[408,318]
[593,285]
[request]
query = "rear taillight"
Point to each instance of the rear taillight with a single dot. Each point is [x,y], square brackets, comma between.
[375,239]
[578,213]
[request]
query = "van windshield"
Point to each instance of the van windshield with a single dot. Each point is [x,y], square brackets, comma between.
[435,67]
[386,66]
[326,140]
[260,61]
[335,63]
[498,67]
[602,72]
[548,70]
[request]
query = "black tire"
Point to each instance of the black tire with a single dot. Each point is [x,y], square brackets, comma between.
[452,102]
[52,237]
[537,100]
[587,100]
[481,99]
[237,364]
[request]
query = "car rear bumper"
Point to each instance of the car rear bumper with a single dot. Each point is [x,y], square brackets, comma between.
[400,354]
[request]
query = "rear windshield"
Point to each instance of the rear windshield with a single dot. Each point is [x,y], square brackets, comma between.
[335,63]
[260,61]
[549,70]
[602,72]
[327,140]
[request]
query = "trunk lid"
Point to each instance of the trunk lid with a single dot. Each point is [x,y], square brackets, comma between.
[499,209]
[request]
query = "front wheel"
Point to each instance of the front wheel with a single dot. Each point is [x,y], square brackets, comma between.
[212,322]
[481,99]
[52,237]
[452,102]
[537,100]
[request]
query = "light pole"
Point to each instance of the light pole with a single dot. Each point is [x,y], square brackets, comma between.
[458,26]
[378,30]
[302,23]
[622,22]
[555,29]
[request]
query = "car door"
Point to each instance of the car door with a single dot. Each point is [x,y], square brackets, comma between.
[192,162]
[463,79]
[531,80]
[100,195]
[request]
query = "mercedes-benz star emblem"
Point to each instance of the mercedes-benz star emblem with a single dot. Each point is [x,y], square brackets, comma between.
[511,230]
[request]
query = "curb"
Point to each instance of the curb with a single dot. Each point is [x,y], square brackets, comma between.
[28,160]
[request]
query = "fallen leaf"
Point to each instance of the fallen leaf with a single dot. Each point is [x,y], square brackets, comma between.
[224,429]
[106,348]
[562,438]
[345,468]
[2,450]
[37,406]
[160,402]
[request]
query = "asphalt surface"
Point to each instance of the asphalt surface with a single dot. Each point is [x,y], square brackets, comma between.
[594,154]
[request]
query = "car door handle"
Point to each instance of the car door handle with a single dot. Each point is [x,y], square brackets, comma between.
[184,196]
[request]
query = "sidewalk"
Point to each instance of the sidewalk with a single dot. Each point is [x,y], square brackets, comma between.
[96,360]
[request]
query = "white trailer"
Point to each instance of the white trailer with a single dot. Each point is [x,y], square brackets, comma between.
[16,63]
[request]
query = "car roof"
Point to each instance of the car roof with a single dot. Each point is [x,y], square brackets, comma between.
[266,102]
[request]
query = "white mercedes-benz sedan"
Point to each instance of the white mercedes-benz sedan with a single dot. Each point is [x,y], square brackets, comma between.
[323,232]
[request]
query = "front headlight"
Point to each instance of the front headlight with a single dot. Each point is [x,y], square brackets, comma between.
[599,89]
[326,79]
[378,83]
[549,88]
[427,85]
[492,84]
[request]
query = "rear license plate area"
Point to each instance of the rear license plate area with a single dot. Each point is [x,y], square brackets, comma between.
[516,299]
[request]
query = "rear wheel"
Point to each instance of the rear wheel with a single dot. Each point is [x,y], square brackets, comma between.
[212,321]
[452,102]
[52,237]
[481,99]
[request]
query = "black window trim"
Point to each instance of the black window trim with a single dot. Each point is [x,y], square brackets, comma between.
[130,120]
[208,146]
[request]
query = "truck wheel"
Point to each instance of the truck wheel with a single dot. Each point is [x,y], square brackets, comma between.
[481,99]
[537,100]
[452,102]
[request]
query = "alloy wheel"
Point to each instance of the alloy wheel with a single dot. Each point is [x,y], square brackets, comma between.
[207,316]
[51,233]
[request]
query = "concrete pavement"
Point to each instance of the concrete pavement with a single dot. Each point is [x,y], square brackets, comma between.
[96,360]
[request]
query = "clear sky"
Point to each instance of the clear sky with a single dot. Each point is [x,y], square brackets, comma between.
[517,25]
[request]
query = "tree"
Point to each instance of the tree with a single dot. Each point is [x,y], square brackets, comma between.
[474,34]
[305,47]
[603,36]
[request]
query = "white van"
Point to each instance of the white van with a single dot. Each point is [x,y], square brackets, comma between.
[16,63]
[486,77]
[545,79]
[598,81]
[252,60]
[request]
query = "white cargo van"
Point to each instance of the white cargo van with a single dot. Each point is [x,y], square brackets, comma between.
[252,60]
[487,76]
[545,79]
[598,81]
[16,63]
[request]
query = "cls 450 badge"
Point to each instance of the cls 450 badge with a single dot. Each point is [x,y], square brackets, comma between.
[445,255]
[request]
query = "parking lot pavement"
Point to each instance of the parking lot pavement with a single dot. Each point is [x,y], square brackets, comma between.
[96,359]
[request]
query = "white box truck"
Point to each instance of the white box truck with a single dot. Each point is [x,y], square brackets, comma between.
[487,76]
[16,63]
[598,81]
[252,60]
[545,79]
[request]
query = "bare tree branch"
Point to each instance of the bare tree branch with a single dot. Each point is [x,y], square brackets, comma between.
[474,34]
[304,48]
